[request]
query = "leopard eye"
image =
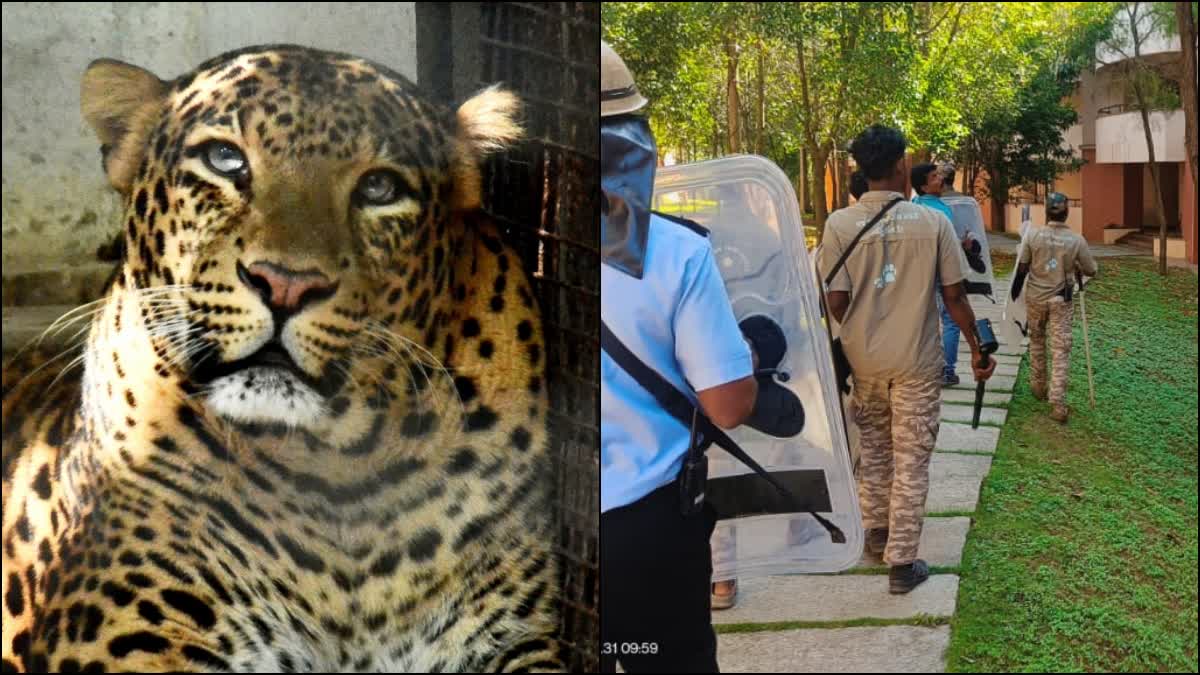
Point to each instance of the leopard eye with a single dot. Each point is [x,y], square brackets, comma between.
[225,159]
[379,187]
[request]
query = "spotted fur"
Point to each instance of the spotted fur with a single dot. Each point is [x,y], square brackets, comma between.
[379,505]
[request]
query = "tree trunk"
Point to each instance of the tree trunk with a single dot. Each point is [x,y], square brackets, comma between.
[998,195]
[835,180]
[733,138]
[1132,76]
[1187,85]
[1159,209]
[844,175]
[819,157]
[761,121]
[804,181]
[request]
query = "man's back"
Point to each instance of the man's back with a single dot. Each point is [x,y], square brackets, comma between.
[1053,253]
[677,319]
[891,324]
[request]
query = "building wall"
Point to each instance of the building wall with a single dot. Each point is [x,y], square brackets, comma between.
[1121,138]
[1037,215]
[1187,211]
[57,205]
[1070,184]
[1169,174]
[1103,196]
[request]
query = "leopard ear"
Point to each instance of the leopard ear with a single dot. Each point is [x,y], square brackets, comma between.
[121,103]
[486,124]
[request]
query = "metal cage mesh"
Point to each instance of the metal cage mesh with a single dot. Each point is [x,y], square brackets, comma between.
[547,202]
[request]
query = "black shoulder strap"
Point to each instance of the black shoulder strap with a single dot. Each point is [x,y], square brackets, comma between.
[689,224]
[682,409]
[854,242]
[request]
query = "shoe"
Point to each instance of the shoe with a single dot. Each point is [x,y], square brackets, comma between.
[904,578]
[950,378]
[724,600]
[1039,391]
[1059,413]
[877,540]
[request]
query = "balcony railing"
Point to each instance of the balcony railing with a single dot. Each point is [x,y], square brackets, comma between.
[1116,109]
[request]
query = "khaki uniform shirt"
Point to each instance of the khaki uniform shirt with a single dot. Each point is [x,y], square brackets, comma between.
[891,327]
[1053,254]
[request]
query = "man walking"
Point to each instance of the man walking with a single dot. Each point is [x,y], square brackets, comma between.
[1046,272]
[663,298]
[883,297]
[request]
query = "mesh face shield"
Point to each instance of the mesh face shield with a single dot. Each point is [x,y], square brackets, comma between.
[628,158]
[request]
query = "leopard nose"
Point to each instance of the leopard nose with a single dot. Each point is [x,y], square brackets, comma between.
[286,291]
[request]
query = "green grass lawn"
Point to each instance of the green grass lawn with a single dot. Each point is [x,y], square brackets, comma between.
[1083,553]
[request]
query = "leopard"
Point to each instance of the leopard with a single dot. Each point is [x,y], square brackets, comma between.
[305,428]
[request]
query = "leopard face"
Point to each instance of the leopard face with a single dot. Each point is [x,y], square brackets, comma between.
[310,432]
[290,219]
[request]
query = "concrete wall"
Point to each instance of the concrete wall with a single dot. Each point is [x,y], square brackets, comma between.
[57,206]
[1187,211]
[1120,139]
[1169,173]
[1037,215]
[1103,196]
[1156,42]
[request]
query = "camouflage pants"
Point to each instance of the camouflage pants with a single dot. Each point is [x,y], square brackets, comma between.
[1053,317]
[898,423]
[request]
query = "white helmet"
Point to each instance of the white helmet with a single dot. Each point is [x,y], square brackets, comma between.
[618,93]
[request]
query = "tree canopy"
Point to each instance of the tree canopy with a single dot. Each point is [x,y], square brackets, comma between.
[984,83]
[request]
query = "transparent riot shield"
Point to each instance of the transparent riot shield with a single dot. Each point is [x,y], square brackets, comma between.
[968,219]
[753,218]
[1014,324]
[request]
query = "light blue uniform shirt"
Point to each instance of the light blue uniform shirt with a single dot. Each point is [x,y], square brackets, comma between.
[678,320]
[934,202]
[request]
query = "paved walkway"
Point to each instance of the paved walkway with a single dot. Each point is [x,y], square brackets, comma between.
[961,461]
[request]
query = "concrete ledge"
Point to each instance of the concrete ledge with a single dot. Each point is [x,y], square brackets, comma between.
[967,396]
[1176,248]
[70,285]
[955,436]
[995,382]
[954,481]
[962,413]
[23,324]
[1013,360]
[964,353]
[836,598]
[885,649]
[942,541]
[1113,235]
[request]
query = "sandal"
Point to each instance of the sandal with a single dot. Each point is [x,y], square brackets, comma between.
[724,600]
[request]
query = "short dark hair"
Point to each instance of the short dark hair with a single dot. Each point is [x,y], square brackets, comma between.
[920,174]
[877,149]
[858,184]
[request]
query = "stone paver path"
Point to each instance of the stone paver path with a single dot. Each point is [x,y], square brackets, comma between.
[961,460]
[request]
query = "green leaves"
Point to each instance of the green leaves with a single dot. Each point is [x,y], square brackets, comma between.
[984,82]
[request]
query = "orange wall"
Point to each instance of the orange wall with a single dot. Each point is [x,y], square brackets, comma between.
[1104,198]
[1187,211]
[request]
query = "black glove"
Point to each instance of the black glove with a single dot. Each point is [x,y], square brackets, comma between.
[777,410]
[975,256]
[1019,280]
